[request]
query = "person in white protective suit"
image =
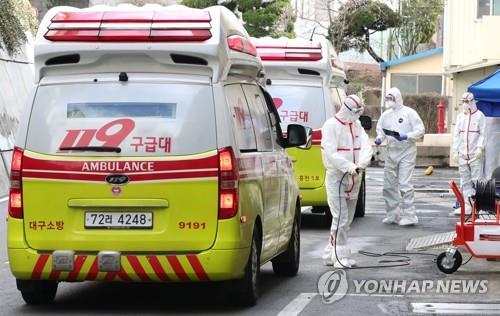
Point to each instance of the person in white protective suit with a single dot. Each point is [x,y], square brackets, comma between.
[346,152]
[400,158]
[468,146]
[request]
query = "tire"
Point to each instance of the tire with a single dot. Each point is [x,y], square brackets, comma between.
[449,266]
[360,206]
[288,262]
[37,292]
[328,217]
[247,288]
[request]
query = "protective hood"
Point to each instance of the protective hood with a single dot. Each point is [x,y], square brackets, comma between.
[398,98]
[346,115]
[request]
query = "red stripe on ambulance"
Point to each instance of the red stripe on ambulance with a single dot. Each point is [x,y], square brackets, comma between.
[39,265]
[138,269]
[177,267]
[198,268]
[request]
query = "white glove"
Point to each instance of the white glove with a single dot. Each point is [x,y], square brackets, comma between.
[479,152]
[352,170]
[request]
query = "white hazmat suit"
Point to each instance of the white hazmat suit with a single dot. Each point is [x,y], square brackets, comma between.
[400,158]
[345,151]
[468,144]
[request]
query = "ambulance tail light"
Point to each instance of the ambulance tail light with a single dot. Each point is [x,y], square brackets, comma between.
[15,192]
[122,26]
[228,183]
[241,44]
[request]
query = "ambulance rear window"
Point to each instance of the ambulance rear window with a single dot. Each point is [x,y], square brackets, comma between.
[121,109]
[298,104]
[142,119]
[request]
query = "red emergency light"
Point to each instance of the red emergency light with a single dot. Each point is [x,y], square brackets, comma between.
[290,52]
[124,26]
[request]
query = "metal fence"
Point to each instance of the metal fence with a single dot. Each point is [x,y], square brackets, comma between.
[6,158]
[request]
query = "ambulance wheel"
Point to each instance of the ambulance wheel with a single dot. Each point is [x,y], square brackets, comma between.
[37,292]
[360,206]
[247,288]
[448,266]
[287,263]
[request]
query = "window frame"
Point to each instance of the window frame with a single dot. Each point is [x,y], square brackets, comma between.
[417,90]
[245,105]
[252,105]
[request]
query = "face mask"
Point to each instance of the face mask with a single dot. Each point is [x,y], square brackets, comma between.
[466,106]
[390,104]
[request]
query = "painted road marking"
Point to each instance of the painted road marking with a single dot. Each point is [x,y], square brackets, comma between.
[5,198]
[456,308]
[297,305]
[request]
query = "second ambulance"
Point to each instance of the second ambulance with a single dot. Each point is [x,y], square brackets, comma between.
[307,84]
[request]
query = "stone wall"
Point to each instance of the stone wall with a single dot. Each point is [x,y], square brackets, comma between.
[16,82]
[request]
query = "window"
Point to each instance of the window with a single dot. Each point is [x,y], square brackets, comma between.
[488,7]
[297,104]
[242,120]
[260,118]
[413,83]
[143,119]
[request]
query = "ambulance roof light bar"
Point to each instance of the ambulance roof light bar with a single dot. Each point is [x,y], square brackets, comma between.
[306,51]
[125,26]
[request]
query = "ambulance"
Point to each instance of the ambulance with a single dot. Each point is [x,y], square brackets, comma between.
[150,153]
[306,81]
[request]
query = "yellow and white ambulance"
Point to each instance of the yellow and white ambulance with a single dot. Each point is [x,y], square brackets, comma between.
[306,81]
[149,153]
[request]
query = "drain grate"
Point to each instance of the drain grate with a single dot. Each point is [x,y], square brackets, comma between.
[436,241]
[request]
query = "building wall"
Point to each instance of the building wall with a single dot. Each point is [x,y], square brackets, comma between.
[469,40]
[430,65]
[16,82]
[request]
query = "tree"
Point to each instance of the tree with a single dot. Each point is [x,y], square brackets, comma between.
[261,17]
[418,24]
[356,20]
[16,18]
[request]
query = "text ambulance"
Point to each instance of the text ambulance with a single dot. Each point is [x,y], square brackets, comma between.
[306,82]
[149,153]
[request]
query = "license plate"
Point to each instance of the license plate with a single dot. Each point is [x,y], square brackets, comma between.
[118,219]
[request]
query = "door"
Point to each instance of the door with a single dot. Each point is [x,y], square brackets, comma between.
[109,165]
[271,164]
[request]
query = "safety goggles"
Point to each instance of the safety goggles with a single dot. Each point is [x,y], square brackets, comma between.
[390,98]
[466,101]
[355,110]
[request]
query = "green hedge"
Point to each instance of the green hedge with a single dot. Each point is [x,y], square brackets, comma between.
[426,107]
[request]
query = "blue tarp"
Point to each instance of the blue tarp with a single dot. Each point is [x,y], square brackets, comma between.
[487,93]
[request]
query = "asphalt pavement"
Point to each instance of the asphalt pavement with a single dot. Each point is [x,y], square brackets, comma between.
[415,288]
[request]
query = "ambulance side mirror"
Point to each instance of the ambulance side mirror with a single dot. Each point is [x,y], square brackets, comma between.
[297,135]
[366,122]
[308,144]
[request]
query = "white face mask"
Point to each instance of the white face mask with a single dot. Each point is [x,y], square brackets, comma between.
[390,104]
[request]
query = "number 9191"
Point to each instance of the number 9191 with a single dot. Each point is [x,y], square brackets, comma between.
[192,225]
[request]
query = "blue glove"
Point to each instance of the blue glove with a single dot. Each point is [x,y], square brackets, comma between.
[378,141]
[402,136]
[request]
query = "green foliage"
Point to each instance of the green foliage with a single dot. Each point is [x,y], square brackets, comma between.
[418,24]
[426,106]
[261,18]
[357,20]
[16,18]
